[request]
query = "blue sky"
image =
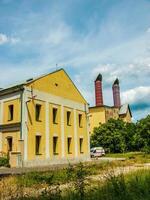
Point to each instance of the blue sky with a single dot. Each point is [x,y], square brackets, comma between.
[86,37]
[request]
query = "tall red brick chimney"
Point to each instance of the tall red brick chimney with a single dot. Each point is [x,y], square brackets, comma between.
[116,93]
[98,91]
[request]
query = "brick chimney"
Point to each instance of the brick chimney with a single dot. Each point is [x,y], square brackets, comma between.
[116,93]
[98,91]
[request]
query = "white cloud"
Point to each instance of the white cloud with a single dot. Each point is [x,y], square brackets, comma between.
[148,30]
[5,39]
[137,95]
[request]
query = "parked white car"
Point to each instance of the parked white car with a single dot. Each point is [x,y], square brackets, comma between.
[97,152]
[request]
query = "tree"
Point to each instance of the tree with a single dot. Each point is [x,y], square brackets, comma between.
[115,135]
[110,135]
[142,138]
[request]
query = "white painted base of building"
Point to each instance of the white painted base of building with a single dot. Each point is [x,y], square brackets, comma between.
[55,161]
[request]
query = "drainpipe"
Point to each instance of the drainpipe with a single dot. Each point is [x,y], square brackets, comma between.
[21,112]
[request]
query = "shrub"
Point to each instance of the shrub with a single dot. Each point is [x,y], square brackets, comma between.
[4,162]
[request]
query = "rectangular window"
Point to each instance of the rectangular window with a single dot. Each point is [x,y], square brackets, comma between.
[55,110]
[37,144]
[55,145]
[10,112]
[38,112]
[69,145]
[80,120]
[9,143]
[68,118]
[81,145]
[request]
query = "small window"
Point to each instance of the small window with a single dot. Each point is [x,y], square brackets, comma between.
[10,112]
[68,118]
[37,145]
[69,145]
[81,145]
[38,112]
[55,110]
[80,120]
[55,145]
[9,143]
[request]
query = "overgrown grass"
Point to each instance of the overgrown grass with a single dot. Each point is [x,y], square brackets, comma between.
[74,182]
[134,186]
[62,176]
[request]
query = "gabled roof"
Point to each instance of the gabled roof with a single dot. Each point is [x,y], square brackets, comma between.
[19,86]
[29,80]
[124,109]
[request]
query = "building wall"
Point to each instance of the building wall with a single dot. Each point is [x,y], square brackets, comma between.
[5,102]
[36,128]
[127,117]
[101,115]
[15,141]
[73,131]
[52,91]
[82,132]
[58,84]
[111,113]
[69,132]
[16,117]
[56,91]
[96,116]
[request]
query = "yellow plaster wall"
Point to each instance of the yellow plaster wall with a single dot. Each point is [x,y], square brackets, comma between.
[17,107]
[59,84]
[55,129]
[35,128]
[127,117]
[111,113]
[82,132]
[96,116]
[15,141]
[69,132]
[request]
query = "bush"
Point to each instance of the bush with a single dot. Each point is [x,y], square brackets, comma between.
[4,162]
[117,136]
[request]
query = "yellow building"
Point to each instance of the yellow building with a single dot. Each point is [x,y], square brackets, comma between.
[101,113]
[44,121]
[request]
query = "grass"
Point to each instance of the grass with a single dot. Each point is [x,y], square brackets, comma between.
[62,176]
[77,182]
[138,157]
[134,186]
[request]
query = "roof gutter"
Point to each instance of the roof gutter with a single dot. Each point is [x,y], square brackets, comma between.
[11,90]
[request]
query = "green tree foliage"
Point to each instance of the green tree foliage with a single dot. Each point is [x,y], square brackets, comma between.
[142,138]
[118,136]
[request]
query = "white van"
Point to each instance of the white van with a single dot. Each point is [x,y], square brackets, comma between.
[97,152]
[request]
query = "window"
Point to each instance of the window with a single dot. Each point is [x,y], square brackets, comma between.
[81,145]
[55,115]
[69,145]
[9,143]
[38,112]
[37,144]
[80,120]
[55,145]
[10,112]
[68,118]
